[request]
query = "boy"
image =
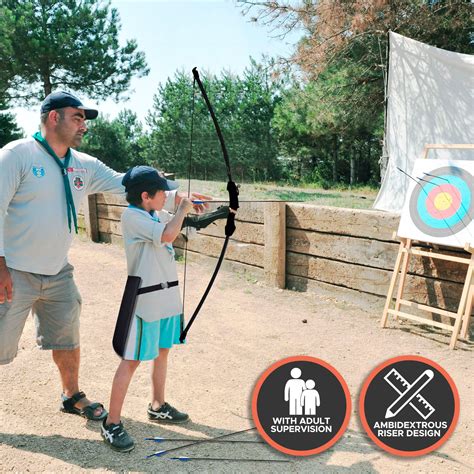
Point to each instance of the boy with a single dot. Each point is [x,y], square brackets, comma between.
[148,232]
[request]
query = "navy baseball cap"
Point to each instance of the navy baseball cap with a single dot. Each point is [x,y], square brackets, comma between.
[142,176]
[61,99]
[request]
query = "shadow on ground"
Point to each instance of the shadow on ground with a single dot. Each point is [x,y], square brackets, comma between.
[93,454]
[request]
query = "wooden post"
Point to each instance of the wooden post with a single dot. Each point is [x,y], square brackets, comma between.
[274,262]
[467,313]
[91,217]
[403,274]
[454,146]
[462,304]
[393,281]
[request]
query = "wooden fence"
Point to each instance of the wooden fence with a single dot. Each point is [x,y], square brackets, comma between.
[299,245]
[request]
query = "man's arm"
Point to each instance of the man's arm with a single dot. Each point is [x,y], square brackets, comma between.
[10,178]
[105,180]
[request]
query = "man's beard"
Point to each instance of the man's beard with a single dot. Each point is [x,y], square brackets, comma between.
[78,139]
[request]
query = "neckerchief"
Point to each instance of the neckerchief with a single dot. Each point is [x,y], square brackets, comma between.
[63,165]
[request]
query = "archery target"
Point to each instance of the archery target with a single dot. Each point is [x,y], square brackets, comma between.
[440,203]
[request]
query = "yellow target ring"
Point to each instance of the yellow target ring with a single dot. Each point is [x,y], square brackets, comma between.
[443,201]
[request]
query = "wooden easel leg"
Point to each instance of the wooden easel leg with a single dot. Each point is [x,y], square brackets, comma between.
[393,281]
[403,276]
[467,313]
[462,304]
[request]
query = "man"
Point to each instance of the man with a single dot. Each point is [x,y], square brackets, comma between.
[43,180]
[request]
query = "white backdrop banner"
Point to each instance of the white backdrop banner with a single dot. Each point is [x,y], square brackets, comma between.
[430,100]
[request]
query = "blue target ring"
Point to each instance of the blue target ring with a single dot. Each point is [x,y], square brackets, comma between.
[453,188]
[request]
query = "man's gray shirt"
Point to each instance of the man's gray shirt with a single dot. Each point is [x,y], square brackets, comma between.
[34,233]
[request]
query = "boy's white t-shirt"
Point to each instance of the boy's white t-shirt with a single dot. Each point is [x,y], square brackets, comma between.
[152,260]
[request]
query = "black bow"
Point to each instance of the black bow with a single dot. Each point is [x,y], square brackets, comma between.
[233,204]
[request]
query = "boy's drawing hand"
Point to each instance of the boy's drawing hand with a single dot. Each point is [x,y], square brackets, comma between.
[185,205]
[200,208]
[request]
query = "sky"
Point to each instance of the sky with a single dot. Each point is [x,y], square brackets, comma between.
[212,35]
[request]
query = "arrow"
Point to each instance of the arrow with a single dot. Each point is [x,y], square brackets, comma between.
[186,458]
[165,451]
[159,439]
[200,201]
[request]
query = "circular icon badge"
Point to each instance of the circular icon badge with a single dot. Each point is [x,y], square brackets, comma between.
[409,406]
[443,203]
[301,405]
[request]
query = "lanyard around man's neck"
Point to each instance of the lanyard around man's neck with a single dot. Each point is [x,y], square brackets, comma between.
[64,165]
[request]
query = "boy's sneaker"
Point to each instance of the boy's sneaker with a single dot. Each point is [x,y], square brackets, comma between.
[116,437]
[166,414]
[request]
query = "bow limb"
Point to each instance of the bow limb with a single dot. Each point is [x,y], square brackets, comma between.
[233,204]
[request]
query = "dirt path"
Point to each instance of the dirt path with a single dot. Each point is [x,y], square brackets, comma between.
[243,328]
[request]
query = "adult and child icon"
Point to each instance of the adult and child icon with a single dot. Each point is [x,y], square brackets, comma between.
[299,394]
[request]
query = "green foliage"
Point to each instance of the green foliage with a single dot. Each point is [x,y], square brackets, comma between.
[7,73]
[169,120]
[67,44]
[323,125]
[118,143]
[244,108]
[330,125]
[9,129]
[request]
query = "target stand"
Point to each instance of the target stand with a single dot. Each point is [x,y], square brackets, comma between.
[463,313]
[439,210]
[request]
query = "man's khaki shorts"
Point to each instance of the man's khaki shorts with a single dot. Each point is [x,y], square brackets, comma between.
[55,303]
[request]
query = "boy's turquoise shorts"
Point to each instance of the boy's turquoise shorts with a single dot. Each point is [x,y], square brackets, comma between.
[146,338]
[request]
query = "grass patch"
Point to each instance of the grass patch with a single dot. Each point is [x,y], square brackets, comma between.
[356,198]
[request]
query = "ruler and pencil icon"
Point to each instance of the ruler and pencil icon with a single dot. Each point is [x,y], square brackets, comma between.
[409,394]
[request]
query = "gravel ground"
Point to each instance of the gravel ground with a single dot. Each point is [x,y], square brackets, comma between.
[242,329]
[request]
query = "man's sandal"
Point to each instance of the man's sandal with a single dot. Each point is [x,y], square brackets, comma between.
[87,412]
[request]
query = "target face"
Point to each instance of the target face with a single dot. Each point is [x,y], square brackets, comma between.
[440,203]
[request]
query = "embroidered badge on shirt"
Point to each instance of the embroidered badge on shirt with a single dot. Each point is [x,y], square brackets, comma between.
[78,182]
[38,171]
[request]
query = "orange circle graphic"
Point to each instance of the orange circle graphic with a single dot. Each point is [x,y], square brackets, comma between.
[366,426]
[262,431]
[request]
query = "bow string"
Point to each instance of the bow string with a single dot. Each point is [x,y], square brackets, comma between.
[233,191]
